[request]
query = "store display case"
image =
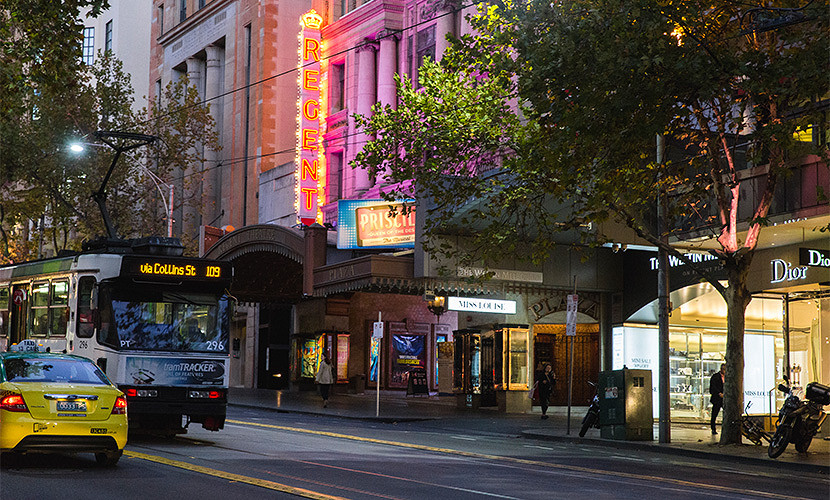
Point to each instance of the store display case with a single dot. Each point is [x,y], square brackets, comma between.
[492,368]
[690,367]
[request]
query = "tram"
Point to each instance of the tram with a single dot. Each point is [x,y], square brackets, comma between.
[155,322]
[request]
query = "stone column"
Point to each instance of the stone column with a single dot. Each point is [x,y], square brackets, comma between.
[387,93]
[366,91]
[387,64]
[212,180]
[445,25]
[190,190]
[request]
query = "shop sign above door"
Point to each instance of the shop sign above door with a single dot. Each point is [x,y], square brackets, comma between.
[785,271]
[468,304]
[813,257]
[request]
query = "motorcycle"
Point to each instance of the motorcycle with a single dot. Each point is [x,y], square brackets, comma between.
[591,418]
[799,420]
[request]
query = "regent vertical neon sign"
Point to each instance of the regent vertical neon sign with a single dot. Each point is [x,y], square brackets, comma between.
[308,170]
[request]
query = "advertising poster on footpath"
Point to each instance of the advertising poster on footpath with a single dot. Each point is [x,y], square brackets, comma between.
[139,370]
[408,350]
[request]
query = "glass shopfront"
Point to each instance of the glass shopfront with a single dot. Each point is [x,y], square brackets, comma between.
[697,347]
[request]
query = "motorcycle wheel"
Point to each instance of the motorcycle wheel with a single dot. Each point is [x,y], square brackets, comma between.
[779,441]
[802,445]
[587,423]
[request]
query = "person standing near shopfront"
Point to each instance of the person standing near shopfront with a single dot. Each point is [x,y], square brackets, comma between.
[325,378]
[716,394]
[545,380]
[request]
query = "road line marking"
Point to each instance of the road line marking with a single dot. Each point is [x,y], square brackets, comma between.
[465,438]
[629,475]
[262,483]
[539,447]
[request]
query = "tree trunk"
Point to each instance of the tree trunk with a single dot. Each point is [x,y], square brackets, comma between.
[737,299]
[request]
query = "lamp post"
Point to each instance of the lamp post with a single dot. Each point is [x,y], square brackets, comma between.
[121,142]
[437,306]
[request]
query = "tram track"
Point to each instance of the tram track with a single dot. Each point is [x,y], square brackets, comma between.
[667,484]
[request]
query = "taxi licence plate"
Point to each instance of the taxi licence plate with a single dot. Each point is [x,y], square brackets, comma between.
[71,405]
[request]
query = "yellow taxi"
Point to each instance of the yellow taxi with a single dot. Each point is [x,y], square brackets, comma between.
[59,402]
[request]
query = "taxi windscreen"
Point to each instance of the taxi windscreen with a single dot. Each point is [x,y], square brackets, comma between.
[52,370]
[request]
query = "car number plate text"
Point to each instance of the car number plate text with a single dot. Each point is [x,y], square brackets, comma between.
[71,406]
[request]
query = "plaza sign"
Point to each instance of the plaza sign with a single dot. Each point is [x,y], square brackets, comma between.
[468,304]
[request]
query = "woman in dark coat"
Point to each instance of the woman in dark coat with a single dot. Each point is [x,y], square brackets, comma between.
[716,394]
[545,380]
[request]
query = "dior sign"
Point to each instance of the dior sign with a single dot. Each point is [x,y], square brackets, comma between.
[814,258]
[784,271]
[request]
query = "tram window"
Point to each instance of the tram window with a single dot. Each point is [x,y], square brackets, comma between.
[86,322]
[4,311]
[59,307]
[40,309]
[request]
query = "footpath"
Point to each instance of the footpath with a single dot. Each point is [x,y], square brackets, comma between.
[691,440]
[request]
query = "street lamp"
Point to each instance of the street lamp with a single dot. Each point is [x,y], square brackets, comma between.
[437,306]
[128,141]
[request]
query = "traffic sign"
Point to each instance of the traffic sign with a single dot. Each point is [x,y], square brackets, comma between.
[19,296]
[377,330]
[570,314]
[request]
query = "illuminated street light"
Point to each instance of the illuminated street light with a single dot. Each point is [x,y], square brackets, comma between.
[79,147]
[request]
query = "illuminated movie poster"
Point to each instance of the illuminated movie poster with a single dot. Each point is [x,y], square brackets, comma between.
[312,349]
[369,224]
[407,353]
[374,350]
[342,358]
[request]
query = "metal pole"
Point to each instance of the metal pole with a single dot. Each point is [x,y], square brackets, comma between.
[664,386]
[170,214]
[571,372]
[377,385]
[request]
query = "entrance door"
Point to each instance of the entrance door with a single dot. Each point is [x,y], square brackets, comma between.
[273,360]
[554,348]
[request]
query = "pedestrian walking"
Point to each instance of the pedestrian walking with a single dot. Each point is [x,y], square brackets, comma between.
[545,380]
[325,378]
[716,394]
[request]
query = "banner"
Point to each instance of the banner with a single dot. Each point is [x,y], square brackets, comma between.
[174,371]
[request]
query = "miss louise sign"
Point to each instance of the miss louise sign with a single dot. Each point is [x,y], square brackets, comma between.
[308,169]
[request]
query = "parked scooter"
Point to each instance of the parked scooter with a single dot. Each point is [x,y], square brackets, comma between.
[799,420]
[592,417]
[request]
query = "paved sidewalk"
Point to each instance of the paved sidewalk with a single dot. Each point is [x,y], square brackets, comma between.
[693,440]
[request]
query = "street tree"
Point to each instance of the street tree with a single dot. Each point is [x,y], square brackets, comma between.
[733,88]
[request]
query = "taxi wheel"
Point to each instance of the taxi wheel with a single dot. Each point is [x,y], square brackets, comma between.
[108,458]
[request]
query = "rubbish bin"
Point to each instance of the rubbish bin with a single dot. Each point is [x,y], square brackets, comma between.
[625,405]
[357,383]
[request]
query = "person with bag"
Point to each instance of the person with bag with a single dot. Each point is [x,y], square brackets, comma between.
[545,380]
[325,378]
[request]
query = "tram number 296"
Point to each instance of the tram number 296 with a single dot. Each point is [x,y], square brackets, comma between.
[216,346]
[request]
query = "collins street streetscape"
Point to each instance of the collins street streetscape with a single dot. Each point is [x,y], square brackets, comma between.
[437,452]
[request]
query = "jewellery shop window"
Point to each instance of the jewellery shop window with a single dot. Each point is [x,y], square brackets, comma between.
[693,358]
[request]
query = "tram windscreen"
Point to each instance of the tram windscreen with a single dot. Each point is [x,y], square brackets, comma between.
[166,322]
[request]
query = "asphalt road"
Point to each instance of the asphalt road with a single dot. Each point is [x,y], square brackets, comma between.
[272,455]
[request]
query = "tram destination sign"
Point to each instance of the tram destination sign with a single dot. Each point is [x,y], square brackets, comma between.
[172,268]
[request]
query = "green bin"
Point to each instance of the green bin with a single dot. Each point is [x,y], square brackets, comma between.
[625,405]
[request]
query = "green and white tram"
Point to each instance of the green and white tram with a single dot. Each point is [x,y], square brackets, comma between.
[157,325]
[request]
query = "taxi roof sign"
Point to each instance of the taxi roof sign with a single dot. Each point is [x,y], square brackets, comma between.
[28,345]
